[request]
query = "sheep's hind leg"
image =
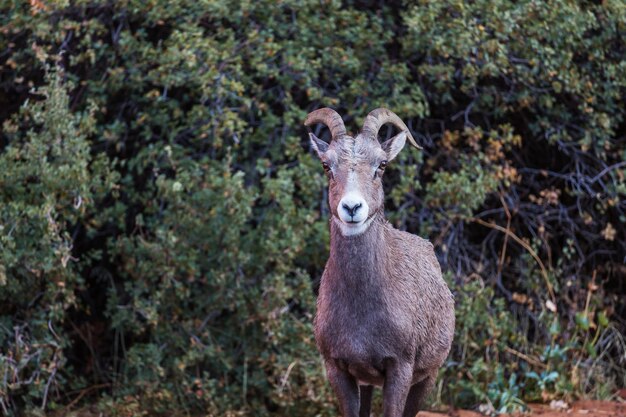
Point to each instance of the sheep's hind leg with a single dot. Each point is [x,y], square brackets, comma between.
[346,389]
[417,395]
[366,400]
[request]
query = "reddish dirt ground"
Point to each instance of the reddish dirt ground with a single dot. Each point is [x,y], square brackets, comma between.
[578,409]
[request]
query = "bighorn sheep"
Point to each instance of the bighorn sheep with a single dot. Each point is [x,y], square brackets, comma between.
[385,316]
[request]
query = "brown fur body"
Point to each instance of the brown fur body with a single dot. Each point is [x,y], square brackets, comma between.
[390,304]
[382,301]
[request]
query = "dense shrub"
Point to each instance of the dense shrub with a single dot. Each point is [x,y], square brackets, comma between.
[162,224]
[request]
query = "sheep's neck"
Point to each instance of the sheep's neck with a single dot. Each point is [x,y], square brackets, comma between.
[361,257]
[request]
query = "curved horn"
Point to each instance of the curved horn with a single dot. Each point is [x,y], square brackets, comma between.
[377,118]
[330,118]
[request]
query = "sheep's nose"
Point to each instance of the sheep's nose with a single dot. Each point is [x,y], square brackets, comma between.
[352,210]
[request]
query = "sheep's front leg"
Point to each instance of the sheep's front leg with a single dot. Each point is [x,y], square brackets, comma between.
[346,389]
[398,377]
[417,395]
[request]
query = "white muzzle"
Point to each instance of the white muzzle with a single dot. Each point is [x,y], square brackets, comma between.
[352,209]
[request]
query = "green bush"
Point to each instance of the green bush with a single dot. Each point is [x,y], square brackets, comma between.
[163,225]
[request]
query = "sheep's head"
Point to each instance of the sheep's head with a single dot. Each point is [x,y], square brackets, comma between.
[355,165]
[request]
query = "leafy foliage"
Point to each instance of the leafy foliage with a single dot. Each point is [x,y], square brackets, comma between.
[162,225]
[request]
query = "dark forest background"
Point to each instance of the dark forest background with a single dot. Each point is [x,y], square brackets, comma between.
[163,222]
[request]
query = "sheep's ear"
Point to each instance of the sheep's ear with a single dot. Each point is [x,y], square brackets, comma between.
[393,146]
[319,146]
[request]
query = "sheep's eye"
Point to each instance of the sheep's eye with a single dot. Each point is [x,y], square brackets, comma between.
[383,165]
[326,166]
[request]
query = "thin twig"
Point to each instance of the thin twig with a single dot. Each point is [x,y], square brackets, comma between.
[527,358]
[82,394]
[286,376]
[607,169]
[506,235]
[526,246]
